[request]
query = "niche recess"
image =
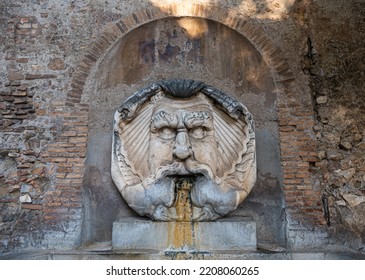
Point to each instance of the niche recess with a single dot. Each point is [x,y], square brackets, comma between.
[181,48]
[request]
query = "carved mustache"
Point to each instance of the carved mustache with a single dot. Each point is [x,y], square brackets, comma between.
[187,167]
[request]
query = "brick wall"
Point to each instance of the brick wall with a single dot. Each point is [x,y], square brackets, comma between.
[47,57]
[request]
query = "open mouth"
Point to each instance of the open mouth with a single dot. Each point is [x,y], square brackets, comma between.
[183,178]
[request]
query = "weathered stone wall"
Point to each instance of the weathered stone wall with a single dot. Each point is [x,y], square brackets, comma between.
[334,62]
[49,50]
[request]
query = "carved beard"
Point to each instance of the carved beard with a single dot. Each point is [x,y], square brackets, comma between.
[158,195]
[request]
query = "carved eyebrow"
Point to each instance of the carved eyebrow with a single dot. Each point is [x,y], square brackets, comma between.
[163,118]
[195,119]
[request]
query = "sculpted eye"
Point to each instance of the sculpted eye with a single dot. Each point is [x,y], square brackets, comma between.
[167,133]
[197,132]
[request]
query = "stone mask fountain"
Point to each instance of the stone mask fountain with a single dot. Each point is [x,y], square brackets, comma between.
[183,152]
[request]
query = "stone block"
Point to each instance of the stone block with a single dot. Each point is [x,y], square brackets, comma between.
[236,233]
[227,234]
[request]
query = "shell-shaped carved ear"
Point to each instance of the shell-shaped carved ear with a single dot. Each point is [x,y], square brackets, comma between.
[232,138]
[135,137]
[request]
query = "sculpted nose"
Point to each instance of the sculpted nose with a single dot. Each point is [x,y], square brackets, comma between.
[182,147]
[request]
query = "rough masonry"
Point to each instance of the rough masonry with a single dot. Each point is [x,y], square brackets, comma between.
[298,62]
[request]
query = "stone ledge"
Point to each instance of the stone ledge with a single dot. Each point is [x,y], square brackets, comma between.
[111,255]
[228,234]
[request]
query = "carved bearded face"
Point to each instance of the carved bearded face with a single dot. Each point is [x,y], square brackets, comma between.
[182,131]
[180,157]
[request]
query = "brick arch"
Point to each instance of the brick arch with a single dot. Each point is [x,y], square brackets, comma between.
[297,144]
[271,54]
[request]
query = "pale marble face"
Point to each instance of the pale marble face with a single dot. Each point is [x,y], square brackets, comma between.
[183,132]
[183,157]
